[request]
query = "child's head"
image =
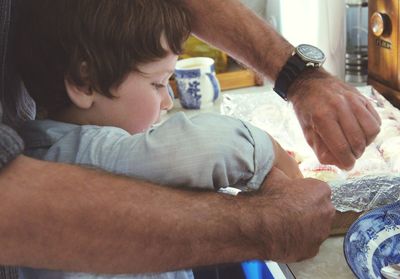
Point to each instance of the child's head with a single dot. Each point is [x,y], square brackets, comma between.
[102,62]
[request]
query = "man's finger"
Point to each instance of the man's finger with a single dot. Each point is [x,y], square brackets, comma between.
[370,122]
[372,110]
[321,150]
[353,131]
[324,155]
[336,142]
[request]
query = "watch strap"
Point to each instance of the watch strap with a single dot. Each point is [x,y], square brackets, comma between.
[292,69]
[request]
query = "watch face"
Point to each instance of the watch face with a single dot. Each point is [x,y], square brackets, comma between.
[311,53]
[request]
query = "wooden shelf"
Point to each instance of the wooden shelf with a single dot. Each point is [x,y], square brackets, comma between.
[232,80]
[237,79]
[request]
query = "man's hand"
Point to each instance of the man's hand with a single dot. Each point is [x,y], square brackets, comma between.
[337,121]
[298,216]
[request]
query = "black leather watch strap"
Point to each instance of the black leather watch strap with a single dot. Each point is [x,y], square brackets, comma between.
[292,69]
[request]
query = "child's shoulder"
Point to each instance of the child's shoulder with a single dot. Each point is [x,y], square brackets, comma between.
[41,133]
[70,143]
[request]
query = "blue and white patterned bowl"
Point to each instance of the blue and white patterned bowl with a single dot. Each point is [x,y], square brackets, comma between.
[373,241]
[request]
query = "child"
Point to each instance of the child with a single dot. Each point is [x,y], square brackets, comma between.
[99,71]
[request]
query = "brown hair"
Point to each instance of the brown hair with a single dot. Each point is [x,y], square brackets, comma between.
[54,38]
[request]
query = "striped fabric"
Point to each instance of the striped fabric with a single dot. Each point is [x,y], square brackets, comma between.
[8,273]
[5,14]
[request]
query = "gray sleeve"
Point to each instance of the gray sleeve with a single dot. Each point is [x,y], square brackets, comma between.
[11,145]
[207,151]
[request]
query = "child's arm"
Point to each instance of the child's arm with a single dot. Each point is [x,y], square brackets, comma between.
[207,151]
[286,163]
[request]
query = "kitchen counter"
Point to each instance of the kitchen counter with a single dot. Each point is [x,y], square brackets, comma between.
[330,262]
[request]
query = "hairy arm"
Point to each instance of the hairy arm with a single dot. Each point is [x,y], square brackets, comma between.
[337,121]
[94,217]
[109,224]
[104,223]
[232,27]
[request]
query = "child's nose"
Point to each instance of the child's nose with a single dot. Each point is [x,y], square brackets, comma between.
[167,98]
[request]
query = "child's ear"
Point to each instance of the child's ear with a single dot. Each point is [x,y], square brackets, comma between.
[81,96]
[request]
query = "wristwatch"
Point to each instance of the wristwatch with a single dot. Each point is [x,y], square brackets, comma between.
[303,57]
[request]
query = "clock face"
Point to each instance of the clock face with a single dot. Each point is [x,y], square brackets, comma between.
[311,53]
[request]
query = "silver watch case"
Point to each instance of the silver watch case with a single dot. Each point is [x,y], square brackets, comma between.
[311,55]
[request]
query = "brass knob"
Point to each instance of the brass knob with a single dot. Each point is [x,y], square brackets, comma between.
[380,24]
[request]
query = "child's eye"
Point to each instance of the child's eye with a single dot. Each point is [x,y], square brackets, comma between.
[158,85]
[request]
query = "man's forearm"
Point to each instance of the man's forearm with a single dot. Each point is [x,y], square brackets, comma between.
[241,33]
[65,217]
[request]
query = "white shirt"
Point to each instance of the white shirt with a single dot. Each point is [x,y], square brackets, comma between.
[207,151]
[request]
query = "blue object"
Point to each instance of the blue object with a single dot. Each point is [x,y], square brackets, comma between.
[256,270]
[198,88]
[373,241]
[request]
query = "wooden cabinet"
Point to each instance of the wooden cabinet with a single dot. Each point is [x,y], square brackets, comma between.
[383,48]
